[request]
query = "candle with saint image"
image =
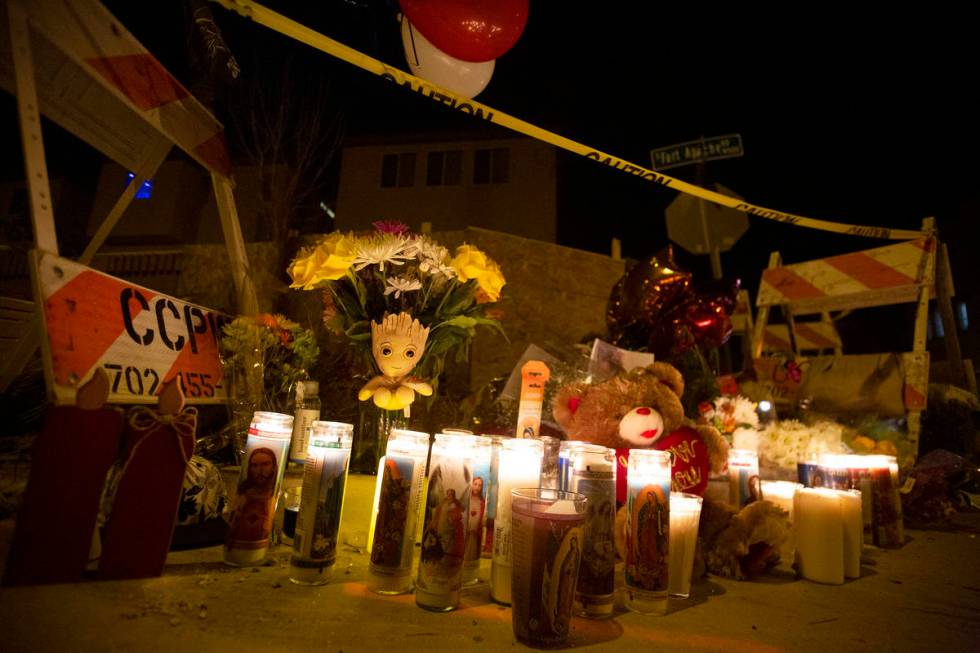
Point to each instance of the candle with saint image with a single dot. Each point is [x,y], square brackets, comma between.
[322,503]
[496,443]
[743,477]
[534,376]
[440,574]
[479,460]
[263,465]
[853,531]
[399,495]
[593,475]
[685,515]
[647,531]
[819,525]
[519,466]
[876,476]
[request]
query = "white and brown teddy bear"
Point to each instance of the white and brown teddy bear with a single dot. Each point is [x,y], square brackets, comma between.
[642,409]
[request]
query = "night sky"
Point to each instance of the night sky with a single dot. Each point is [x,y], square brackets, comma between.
[858,119]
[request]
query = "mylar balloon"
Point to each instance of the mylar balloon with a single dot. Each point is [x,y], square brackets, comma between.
[425,60]
[471,30]
[655,307]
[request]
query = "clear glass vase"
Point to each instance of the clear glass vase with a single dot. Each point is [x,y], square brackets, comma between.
[371,436]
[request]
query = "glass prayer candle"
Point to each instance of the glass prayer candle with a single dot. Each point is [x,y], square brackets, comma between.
[263,465]
[322,503]
[519,466]
[564,468]
[549,462]
[647,531]
[399,494]
[685,515]
[440,574]
[497,442]
[479,461]
[876,476]
[593,475]
[547,537]
[743,477]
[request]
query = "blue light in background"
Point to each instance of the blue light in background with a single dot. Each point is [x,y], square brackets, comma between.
[145,190]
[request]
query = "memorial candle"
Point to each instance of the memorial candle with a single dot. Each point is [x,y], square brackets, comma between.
[647,531]
[400,492]
[440,574]
[263,465]
[743,477]
[685,515]
[819,526]
[479,460]
[519,466]
[781,493]
[593,476]
[853,531]
[322,503]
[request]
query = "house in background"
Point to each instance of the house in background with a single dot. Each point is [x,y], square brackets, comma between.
[452,181]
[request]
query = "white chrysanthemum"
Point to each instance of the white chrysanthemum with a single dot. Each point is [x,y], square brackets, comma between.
[398,285]
[745,413]
[382,249]
[434,259]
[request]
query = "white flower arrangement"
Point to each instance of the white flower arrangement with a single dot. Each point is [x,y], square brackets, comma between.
[785,443]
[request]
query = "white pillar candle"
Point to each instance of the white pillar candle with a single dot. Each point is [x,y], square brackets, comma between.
[648,531]
[853,531]
[743,477]
[781,493]
[685,514]
[819,535]
[519,466]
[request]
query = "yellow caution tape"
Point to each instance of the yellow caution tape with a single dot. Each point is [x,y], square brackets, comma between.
[314,39]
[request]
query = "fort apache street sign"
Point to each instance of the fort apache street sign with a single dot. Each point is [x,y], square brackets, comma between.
[705,149]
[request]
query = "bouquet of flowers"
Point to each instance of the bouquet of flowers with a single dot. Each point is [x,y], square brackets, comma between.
[392,294]
[263,358]
[735,417]
[785,443]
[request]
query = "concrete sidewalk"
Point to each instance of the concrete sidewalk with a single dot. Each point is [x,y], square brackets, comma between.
[923,597]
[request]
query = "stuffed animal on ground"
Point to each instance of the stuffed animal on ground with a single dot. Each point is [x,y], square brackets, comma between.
[642,409]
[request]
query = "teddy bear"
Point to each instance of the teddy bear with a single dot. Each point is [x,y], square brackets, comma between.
[642,409]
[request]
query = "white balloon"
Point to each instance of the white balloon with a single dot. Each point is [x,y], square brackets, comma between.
[466,78]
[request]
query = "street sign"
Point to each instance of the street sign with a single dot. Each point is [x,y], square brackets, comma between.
[703,227]
[704,149]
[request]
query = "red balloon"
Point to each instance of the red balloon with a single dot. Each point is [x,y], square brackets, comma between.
[471,30]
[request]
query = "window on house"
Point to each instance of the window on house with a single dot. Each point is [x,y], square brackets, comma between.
[398,170]
[491,166]
[389,171]
[406,170]
[444,168]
